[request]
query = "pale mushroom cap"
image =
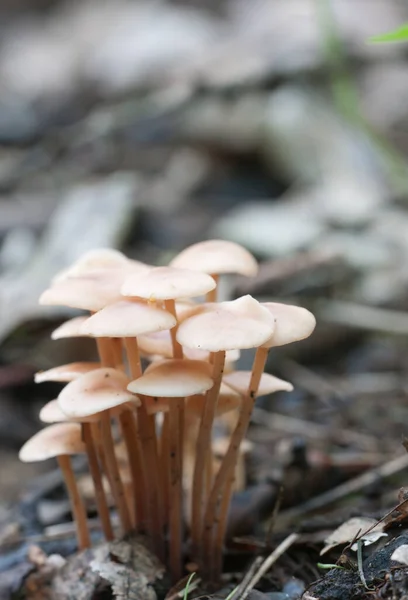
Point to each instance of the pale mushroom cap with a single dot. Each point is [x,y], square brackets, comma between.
[159,344]
[66,373]
[174,378]
[94,392]
[239,381]
[128,318]
[239,324]
[167,283]
[52,413]
[55,440]
[71,328]
[98,258]
[216,257]
[228,400]
[292,323]
[220,446]
[91,291]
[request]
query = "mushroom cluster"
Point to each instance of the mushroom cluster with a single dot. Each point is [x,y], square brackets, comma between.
[163,413]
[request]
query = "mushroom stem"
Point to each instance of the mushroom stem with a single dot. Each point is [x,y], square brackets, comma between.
[94,469]
[116,349]
[118,490]
[212,295]
[148,446]
[130,436]
[226,473]
[170,306]
[105,351]
[203,449]
[164,465]
[176,410]
[77,505]
[215,568]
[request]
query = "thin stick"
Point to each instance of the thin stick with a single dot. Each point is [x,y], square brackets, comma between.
[227,469]
[149,453]
[118,490]
[203,449]
[77,505]
[100,497]
[271,560]
[137,472]
[170,306]
[176,406]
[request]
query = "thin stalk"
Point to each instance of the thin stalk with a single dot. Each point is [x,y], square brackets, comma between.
[176,409]
[105,351]
[212,295]
[170,306]
[118,490]
[203,450]
[165,466]
[226,472]
[149,453]
[77,505]
[100,497]
[138,475]
[117,352]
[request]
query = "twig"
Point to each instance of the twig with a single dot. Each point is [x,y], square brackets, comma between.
[268,562]
[240,591]
[359,316]
[345,489]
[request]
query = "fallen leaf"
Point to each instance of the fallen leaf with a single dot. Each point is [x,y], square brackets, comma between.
[349,530]
[126,584]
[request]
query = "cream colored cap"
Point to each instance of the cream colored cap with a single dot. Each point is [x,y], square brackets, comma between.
[55,440]
[216,257]
[71,328]
[94,392]
[239,324]
[91,291]
[66,373]
[128,318]
[228,400]
[240,380]
[292,323]
[167,283]
[174,378]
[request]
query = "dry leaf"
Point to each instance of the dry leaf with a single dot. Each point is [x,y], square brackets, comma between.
[126,584]
[400,554]
[350,529]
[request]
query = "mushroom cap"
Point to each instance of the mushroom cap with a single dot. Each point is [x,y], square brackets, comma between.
[216,257]
[239,381]
[239,324]
[66,373]
[71,328]
[292,323]
[159,343]
[52,413]
[167,283]
[91,291]
[228,400]
[174,378]
[98,258]
[55,440]
[128,318]
[95,392]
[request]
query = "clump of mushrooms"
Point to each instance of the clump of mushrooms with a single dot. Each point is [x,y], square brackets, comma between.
[164,413]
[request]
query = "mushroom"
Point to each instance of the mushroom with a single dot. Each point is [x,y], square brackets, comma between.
[239,324]
[292,324]
[168,284]
[66,373]
[127,319]
[60,441]
[216,257]
[175,379]
[100,391]
[52,413]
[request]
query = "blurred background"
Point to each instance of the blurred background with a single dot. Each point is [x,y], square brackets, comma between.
[150,125]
